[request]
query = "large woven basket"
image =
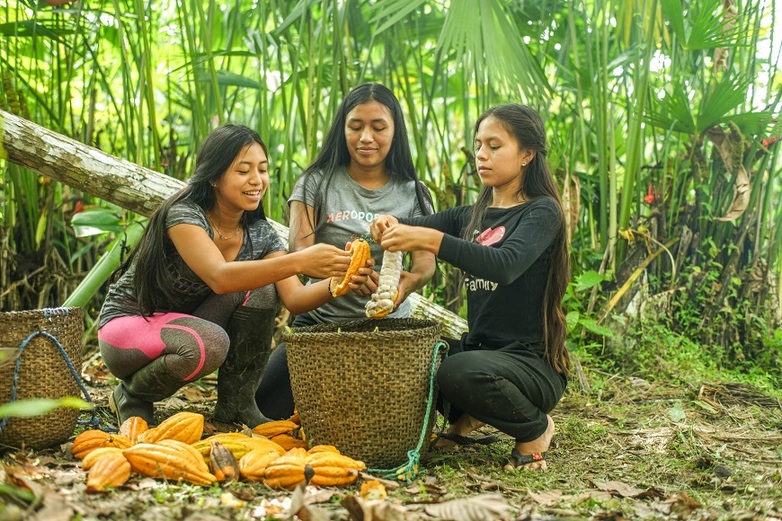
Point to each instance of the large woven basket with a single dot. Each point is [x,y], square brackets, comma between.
[363,386]
[43,372]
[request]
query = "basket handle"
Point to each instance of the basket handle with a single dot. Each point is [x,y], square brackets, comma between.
[94,420]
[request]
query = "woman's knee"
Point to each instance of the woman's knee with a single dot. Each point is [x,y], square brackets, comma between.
[452,373]
[198,343]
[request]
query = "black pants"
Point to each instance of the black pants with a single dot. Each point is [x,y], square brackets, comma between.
[274,396]
[512,388]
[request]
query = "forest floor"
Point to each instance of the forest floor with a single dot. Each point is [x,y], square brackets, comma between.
[628,450]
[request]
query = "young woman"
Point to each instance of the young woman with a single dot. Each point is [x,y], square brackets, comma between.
[364,169]
[200,291]
[510,369]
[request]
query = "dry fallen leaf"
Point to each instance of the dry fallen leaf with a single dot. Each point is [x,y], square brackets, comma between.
[621,489]
[547,498]
[376,510]
[488,507]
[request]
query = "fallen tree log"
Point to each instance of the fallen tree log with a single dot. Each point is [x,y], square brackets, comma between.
[131,186]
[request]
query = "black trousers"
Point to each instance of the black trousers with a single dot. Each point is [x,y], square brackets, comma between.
[274,396]
[512,388]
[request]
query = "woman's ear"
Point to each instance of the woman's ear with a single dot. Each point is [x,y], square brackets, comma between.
[527,155]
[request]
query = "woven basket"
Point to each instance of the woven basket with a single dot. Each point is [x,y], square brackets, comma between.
[43,373]
[363,386]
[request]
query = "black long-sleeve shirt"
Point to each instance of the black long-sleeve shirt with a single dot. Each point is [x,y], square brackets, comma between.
[506,268]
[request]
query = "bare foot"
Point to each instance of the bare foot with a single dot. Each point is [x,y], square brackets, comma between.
[463,426]
[533,451]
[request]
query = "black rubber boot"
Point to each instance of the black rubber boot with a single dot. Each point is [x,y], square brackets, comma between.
[250,331]
[135,396]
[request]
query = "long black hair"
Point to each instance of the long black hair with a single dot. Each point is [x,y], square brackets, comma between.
[525,124]
[334,151]
[218,152]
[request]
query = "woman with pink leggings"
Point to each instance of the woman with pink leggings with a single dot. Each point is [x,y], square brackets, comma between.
[202,289]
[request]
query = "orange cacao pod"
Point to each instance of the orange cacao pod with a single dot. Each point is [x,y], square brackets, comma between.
[273,428]
[169,459]
[92,439]
[253,464]
[94,455]
[239,444]
[323,448]
[331,469]
[133,427]
[288,471]
[288,442]
[187,427]
[109,471]
[359,254]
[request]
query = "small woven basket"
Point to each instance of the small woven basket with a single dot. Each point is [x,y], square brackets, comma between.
[363,386]
[43,373]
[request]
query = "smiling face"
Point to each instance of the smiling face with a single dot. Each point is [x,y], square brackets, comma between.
[499,158]
[369,132]
[242,186]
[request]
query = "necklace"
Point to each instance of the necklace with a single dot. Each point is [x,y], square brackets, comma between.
[220,233]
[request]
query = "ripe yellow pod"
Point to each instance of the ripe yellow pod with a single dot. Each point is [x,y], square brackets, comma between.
[109,471]
[360,253]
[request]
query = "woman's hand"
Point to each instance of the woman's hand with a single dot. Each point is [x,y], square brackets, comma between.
[321,261]
[380,224]
[364,283]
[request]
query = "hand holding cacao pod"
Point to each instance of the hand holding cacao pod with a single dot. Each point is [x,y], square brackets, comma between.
[359,255]
[322,261]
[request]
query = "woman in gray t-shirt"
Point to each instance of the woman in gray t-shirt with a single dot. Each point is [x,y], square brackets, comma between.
[364,169]
[201,290]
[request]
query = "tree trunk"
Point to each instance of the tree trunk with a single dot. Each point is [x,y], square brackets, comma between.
[131,186]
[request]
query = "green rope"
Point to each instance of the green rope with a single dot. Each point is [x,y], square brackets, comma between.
[407,472]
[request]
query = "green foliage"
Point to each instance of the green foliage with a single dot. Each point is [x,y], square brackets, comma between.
[40,406]
[652,109]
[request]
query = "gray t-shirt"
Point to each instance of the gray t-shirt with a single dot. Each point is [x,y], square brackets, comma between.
[259,241]
[347,209]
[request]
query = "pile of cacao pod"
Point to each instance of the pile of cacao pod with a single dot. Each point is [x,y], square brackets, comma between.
[274,454]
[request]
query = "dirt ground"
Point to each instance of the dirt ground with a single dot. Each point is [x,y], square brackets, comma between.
[631,450]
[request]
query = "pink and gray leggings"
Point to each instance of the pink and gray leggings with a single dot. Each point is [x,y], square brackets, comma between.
[194,345]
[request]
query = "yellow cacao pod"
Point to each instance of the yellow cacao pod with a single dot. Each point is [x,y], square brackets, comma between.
[94,455]
[323,448]
[332,469]
[253,464]
[239,444]
[169,459]
[187,427]
[109,471]
[333,476]
[288,471]
[133,427]
[92,439]
[359,255]
[273,428]
[333,459]
[288,442]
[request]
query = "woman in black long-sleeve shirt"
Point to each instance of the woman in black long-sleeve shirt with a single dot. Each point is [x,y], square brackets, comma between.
[510,370]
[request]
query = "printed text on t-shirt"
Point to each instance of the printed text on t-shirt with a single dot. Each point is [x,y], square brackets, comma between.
[476,284]
[352,214]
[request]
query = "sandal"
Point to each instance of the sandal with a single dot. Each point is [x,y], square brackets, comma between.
[467,440]
[518,459]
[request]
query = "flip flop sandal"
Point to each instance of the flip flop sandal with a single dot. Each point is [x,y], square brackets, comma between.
[467,440]
[517,459]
